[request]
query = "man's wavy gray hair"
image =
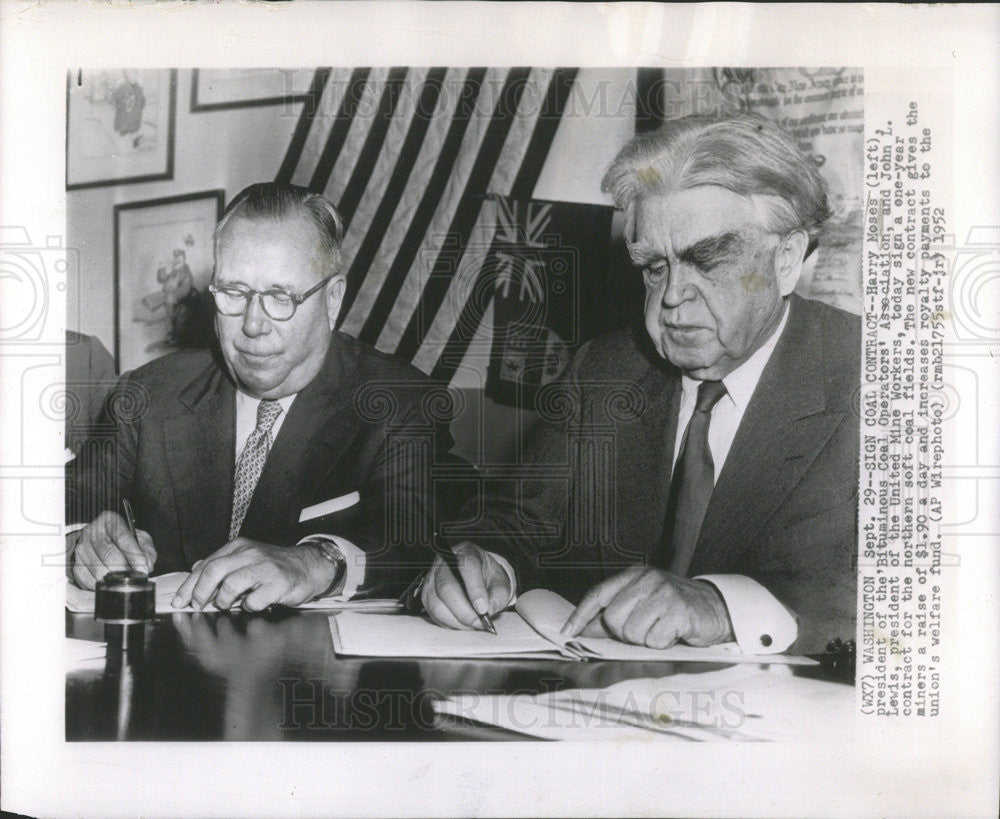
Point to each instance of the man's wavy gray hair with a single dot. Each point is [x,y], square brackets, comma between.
[278,201]
[747,154]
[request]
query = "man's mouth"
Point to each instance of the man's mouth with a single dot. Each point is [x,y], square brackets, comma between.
[255,356]
[682,329]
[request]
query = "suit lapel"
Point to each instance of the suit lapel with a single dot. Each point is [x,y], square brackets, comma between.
[319,427]
[784,427]
[642,463]
[663,387]
[200,454]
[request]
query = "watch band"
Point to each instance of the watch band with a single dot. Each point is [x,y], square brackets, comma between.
[329,551]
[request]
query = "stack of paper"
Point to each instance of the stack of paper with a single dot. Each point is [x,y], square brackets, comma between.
[81,601]
[736,704]
[532,630]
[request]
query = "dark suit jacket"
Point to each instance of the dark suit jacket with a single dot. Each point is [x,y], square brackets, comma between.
[365,424]
[593,497]
[90,375]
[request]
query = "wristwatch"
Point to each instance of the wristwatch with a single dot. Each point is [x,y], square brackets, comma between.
[329,551]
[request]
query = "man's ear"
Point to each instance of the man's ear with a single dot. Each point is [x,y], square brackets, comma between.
[788,259]
[334,298]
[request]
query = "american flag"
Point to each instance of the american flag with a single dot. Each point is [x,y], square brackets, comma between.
[414,158]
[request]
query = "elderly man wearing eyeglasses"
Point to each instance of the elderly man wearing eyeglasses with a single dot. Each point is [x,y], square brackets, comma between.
[270,472]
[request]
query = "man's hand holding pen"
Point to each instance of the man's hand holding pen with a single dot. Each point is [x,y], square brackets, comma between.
[465,602]
[106,545]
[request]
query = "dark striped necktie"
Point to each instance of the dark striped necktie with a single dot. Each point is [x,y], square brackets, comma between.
[692,481]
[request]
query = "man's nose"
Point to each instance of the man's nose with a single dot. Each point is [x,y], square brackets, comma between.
[678,288]
[255,320]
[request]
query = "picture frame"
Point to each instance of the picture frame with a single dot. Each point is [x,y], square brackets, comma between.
[163,264]
[120,126]
[221,89]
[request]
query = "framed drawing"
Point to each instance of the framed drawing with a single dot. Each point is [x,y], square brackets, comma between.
[163,264]
[119,126]
[218,89]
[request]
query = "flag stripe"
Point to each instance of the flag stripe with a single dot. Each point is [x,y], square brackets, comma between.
[382,169]
[409,201]
[373,145]
[422,117]
[425,210]
[545,132]
[524,185]
[650,101]
[329,104]
[469,284]
[466,213]
[357,130]
[437,235]
[298,140]
[338,133]
[465,284]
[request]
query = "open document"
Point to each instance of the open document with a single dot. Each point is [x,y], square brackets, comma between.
[81,601]
[737,704]
[531,630]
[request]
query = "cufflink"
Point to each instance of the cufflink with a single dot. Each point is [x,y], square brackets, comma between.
[840,659]
[765,640]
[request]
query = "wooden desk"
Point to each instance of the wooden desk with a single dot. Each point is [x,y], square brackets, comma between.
[275,677]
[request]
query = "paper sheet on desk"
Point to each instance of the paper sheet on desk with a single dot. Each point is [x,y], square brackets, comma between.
[737,704]
[81,601]
[531,630]
[376,635]
[81,654]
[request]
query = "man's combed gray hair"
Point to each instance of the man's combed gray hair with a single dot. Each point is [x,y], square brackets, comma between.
[278,201]
[747,154]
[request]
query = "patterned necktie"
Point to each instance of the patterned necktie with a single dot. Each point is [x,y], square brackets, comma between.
[251,462]
[693,480]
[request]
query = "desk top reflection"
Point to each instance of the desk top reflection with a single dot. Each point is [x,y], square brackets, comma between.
[275,676]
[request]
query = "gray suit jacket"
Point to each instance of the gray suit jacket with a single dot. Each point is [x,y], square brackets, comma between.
[592,498]
[361,425]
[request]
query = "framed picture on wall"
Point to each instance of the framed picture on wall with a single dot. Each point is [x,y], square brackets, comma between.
[119,126]
[163,265]
[218,89]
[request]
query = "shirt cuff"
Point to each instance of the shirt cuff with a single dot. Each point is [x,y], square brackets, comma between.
[510,576]
[354,565]
[761,624]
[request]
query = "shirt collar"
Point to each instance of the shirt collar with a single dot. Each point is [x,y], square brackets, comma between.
[741,382]
[248,404]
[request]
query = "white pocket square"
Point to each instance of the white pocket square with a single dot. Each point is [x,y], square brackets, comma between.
[328,507]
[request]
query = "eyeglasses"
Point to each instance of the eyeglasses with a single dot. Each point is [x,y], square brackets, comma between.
[278,304]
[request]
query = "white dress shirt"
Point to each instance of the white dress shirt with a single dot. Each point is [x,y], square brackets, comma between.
[354,558]
[728,411]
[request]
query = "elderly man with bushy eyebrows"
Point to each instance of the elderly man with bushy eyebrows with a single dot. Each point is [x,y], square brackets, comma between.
[726,509]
